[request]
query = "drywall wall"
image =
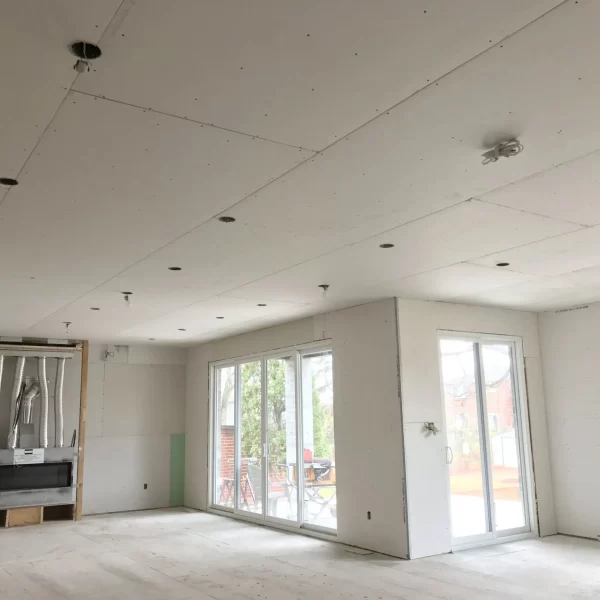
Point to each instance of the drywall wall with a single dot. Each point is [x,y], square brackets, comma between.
[426,471]
[570,360]
[135,422]
[368,423]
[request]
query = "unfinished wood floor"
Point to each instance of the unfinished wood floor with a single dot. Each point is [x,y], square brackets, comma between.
[180,555]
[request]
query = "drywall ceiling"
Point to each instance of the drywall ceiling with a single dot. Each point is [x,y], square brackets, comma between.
[324,129]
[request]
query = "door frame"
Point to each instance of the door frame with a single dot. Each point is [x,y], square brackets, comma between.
[522,434]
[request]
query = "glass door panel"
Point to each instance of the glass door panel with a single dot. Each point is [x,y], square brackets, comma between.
[318,451]
[249,480]
[273,438]
[282,492]
[466,444]
[224,437]
[505,447]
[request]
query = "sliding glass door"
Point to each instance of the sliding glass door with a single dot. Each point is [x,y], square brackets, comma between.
[504,434]
[273,439]
[224,437]
[250,440]
[485,451]
[282,453]
[319,443]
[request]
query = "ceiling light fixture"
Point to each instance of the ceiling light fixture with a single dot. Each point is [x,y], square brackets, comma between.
[174,268]
[324,287]
[67,324]
[386,245]
[85,52]
[502,150]
[502,264]
[8,181]
[227,219]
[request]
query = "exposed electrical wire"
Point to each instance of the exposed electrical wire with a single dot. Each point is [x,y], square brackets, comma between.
[503,150]
[324,287]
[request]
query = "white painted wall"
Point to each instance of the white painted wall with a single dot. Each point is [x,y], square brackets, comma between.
[426,470]
[570,361]
[136,400]
[368,423]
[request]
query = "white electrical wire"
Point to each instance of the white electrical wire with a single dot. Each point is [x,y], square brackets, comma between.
[503,150]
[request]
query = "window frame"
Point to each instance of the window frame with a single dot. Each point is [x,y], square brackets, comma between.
[297,351]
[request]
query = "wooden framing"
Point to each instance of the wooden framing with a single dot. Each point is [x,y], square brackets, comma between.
[35,515]
[81,436]
[29,515]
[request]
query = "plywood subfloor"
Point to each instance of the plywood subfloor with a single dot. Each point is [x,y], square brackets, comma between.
[182,555]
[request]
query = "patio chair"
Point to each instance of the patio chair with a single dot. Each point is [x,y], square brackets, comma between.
[277,489]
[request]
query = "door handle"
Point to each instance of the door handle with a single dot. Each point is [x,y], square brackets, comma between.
[448,449]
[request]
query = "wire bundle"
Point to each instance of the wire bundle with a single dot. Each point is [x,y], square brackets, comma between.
[503,150]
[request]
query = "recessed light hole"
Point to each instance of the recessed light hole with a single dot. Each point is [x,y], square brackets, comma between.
[261,305]
[8,181]
[227,219]
[386,245]
[85,50]
[94,308]
[502,264]
[181,329]
[127,293]
[220,317]
[174,268]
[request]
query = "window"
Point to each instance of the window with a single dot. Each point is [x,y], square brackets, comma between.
[273,438]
